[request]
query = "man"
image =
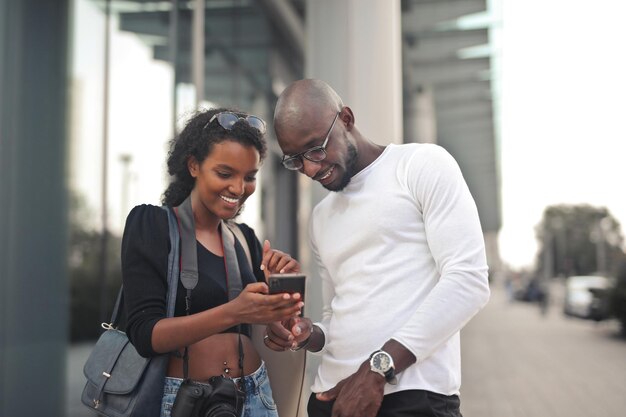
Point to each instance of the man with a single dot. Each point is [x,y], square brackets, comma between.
[401,258]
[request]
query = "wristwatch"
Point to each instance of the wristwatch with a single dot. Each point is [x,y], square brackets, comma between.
[382,363]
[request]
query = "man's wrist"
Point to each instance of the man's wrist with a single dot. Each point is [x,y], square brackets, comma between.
[304,343]
[315,341]
[381,362]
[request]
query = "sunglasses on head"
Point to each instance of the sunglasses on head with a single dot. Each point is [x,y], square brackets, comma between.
[228,119]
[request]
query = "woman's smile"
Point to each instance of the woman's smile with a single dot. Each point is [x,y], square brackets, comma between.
[230,200]
[226,178]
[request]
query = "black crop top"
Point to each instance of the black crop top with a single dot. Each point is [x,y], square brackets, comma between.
[145,247]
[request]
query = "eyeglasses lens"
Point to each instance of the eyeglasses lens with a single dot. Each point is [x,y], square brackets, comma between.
[257,123]
[315,155]
[293,163]
[227,120]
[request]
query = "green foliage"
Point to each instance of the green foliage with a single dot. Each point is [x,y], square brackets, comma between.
[91,299]
[579,240]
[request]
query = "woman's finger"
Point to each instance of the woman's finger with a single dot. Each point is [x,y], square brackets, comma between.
[273,259]
[281,263]
[291,266]
[267,254]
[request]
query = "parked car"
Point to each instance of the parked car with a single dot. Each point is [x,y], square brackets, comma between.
[585,296]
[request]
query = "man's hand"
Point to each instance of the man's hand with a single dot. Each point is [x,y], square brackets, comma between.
[278,337]
[294,333]
[359,395]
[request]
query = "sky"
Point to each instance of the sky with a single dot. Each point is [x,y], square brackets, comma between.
[562,115]
[560,81]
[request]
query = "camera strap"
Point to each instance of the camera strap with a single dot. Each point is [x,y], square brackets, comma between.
[189,267]
[233,279]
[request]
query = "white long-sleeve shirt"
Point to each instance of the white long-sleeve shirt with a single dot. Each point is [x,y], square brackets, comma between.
[401,255]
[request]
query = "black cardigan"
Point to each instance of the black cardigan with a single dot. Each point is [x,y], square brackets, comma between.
[145,248]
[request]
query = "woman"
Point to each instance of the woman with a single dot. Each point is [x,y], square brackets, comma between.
[214,161]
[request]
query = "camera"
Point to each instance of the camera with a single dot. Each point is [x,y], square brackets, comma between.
[220,397]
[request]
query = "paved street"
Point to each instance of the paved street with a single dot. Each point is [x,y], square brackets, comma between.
[517,363]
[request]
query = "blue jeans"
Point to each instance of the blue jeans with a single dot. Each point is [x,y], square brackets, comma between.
[259,401]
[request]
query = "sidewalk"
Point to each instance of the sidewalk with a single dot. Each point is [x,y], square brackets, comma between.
[517,363]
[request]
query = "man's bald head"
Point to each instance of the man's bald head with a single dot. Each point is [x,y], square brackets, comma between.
[305,100]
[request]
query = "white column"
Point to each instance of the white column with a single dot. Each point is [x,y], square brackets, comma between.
[197,49]
[420,117]
[355,46]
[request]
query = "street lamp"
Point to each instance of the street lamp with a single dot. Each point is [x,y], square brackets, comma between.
[125,159]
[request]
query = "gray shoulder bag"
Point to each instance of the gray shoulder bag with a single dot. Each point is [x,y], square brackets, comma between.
[120,382]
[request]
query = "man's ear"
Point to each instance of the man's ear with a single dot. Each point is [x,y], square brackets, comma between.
[347,117]
[193,166]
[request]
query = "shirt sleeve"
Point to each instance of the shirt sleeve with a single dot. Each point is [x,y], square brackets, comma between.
[455,239]
[145,248]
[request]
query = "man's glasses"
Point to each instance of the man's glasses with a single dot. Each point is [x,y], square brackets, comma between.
[314,154]
[228,119]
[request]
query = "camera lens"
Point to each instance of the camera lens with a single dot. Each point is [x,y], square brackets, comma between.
[221,410]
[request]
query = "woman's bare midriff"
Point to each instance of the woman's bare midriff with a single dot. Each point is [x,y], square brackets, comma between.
[207,357]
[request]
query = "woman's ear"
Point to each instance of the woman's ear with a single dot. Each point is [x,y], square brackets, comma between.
[193,166]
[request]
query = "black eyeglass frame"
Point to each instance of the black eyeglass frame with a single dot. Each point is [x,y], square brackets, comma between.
[233,118]
[288,159]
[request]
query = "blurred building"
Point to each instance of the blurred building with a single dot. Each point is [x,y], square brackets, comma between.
[409,69]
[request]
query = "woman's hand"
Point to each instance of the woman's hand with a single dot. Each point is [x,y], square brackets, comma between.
[288,334]
[255,305]
[277,262]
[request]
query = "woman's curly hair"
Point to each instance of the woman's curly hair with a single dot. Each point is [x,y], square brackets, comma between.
[197,140]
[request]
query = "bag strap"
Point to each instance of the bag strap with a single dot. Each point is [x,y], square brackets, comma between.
[189,263]
[233,275]
[234,227]
[173,271]
[189,266]
[114,315]
[173,261]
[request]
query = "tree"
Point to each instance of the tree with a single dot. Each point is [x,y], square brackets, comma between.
[579,240]
[84,254]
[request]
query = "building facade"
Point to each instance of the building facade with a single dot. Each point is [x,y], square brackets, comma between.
[92,91]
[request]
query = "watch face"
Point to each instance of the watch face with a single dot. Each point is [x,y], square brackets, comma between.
[381,361]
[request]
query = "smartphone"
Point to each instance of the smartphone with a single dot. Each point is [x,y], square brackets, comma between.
[290,283]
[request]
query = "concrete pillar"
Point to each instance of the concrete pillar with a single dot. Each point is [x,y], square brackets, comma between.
[355,46]
[33,209]
[420,120]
